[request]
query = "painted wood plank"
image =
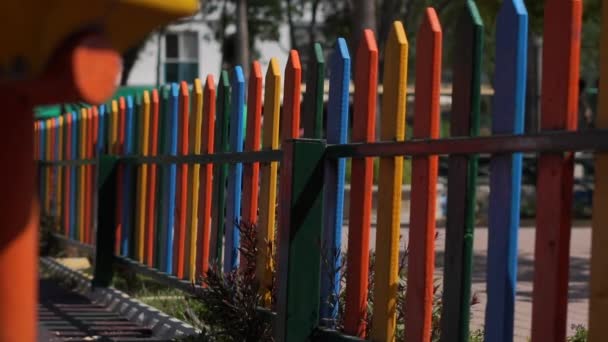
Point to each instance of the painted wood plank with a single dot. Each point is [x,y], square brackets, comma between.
[67,212]
[196,131]
[119,150]
[462,177]
[128,183]
[300,225]
[206,180]
[421,246]
[364,128]
[251,171]
[335,171]
[143,179]
[97,135]
[505,170]
[390,181]
[43,144]
[312,121]
[82,139]
[60,172]
[179,247]
[101,132]
[169,178]
[268,181]
[151,227]
[290,122]
[221,171]
[235,171]
[252,143]
[163,172]
[73,179]
[88,189]
[598,298]
[559,111]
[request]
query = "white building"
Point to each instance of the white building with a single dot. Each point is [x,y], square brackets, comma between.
[187,50]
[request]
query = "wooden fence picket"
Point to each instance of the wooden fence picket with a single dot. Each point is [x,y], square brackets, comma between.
[462,177]
[421,242]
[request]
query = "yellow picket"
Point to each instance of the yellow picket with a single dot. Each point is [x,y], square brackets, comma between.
[389,187]
[142,185]
[268,180]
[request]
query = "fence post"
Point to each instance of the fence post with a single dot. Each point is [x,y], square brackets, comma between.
[106,217]
[300,225]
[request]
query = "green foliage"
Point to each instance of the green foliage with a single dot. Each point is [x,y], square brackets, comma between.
[231,300]
[580,334]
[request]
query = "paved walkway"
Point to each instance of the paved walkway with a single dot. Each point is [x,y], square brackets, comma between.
[67,316]
[578,301]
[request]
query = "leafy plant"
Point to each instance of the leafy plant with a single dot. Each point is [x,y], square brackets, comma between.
[580,334]
[232,300]
[401,295]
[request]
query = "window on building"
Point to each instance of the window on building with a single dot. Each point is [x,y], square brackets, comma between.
[181,56]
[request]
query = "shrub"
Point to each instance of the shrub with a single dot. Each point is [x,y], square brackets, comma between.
[232,300]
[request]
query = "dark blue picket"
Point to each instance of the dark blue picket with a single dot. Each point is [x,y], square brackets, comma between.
[127,213]
[505,170]
[43,157]
[101,130]
[235,171]
[170,123]
[337,132]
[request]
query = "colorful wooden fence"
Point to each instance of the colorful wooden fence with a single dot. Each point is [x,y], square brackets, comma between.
[196,160]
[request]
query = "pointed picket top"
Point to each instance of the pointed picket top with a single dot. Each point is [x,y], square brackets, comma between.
[428,76]
[197,115]
[338,102]
[291,97]
[366,82]
[312,121]
[272,105]
[209,92]
[511,55]
[394,84]
[184,117]
[154,121]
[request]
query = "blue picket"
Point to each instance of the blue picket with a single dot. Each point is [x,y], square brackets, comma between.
[128,191]
[42,157]
[101,130]
[235,171]
[505,170]
[337,132]
[169,177]
[73,183]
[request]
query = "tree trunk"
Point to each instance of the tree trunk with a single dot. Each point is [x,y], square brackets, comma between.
[242,36]
[364,18]
[292,29]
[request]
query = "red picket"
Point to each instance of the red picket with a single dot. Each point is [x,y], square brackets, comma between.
[561,57]
[251,172]
[182,181]
[206,183]
[151,205]
[120,172]
[364,128]
[421,257]
[290,127]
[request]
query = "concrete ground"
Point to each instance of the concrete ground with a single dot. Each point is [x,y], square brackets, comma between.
[580,249]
